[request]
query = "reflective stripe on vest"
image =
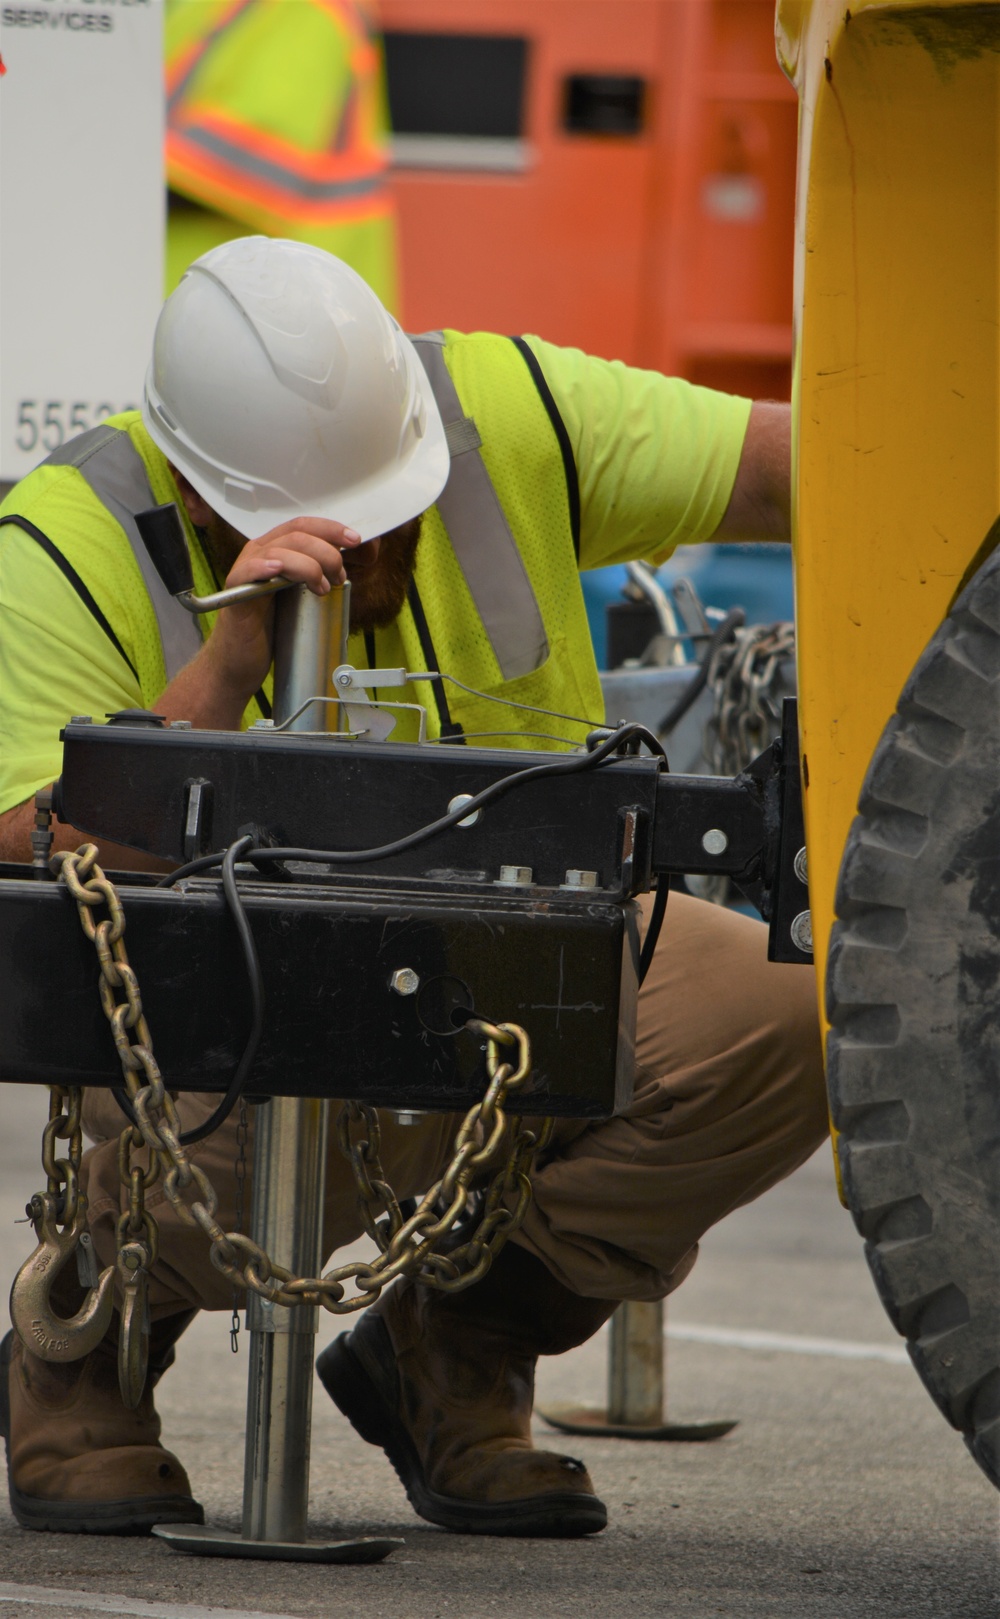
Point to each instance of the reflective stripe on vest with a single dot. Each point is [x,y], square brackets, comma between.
[479,532]
[224,159]
[107,460]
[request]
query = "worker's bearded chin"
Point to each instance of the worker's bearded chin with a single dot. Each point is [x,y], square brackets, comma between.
[378,588]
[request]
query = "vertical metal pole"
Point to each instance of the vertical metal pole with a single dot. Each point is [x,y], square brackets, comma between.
[635,1365]
[289,1161]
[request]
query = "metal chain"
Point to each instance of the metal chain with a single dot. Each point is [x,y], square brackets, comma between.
[242,1137]
[411,1247]
[63,1173]
[744,677]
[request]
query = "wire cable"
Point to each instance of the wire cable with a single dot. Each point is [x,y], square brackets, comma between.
[656,916]
[228,859]
[252,962]
[694,689]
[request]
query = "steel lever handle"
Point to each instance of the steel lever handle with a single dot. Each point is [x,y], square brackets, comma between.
[236,593]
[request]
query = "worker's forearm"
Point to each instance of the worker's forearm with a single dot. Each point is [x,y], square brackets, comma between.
[761,501]
[212,691]
[15,842]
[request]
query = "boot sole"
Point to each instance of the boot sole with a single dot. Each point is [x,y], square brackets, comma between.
[135,1516]
[556,1516]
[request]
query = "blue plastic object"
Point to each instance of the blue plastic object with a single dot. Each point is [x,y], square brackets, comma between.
[757,578]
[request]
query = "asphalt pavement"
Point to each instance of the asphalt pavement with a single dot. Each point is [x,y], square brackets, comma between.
[841,1493]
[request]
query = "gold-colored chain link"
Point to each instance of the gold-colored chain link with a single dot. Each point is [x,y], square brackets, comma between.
[489,1149]
[63,1172]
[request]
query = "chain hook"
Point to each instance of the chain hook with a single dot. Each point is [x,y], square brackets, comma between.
[133,1337]
[43,1332]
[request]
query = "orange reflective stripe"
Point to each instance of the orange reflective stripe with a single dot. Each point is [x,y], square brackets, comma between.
[276,155]
[219,182]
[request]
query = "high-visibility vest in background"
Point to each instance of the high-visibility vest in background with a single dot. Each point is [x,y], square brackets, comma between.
[277,121]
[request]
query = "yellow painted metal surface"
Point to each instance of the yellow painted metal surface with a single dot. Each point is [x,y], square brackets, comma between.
[896,399]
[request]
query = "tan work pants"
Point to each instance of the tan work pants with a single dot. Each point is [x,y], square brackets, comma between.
[729,1098]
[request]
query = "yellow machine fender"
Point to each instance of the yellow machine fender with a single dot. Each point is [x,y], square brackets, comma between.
[897,486]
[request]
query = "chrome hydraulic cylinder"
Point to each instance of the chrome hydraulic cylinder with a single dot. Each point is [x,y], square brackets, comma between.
[289,1160]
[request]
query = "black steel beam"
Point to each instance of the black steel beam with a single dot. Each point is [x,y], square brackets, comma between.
[562,965]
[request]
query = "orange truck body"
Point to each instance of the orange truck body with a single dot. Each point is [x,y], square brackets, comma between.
[668,244]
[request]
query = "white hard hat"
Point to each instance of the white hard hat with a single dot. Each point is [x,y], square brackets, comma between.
[280,387]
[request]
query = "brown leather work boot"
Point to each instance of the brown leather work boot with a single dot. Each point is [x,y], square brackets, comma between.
[444,1383]
[77,1460]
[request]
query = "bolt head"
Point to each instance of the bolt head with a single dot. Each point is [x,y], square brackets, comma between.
[516,876]
[405,981]
[802,932]
[714,841]
[457,802]
[575,878]
[801,866]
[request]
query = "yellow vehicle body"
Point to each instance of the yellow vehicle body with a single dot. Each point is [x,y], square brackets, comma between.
[896,397]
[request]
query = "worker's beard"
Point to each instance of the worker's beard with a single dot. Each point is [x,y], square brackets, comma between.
[379,587]
[380,578]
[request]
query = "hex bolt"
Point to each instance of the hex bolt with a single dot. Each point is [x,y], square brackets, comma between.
[802,932]
[456,804]
[579,879]
[516,876]
[403,1115]
[181,725]
[345,679]
[714,841]
[262,725]
[801,867]
[405,981]
[82,719]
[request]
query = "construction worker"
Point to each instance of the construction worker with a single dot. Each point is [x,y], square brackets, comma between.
[277,121]
[460,483]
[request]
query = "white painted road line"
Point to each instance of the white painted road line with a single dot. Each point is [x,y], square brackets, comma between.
[69,1604]
[786,1343]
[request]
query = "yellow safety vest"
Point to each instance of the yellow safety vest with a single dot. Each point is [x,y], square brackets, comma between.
[496,599]
[277,121]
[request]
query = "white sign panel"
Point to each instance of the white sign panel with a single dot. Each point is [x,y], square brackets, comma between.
[81,216]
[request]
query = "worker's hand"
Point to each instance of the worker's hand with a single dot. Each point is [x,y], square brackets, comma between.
[307,550]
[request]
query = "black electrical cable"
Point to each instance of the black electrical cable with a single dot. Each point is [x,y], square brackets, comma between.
[246,1062]
[241,1074]
[355,857]
[732,621]
[656,916]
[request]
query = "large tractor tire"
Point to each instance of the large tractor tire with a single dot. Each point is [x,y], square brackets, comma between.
[913,994]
